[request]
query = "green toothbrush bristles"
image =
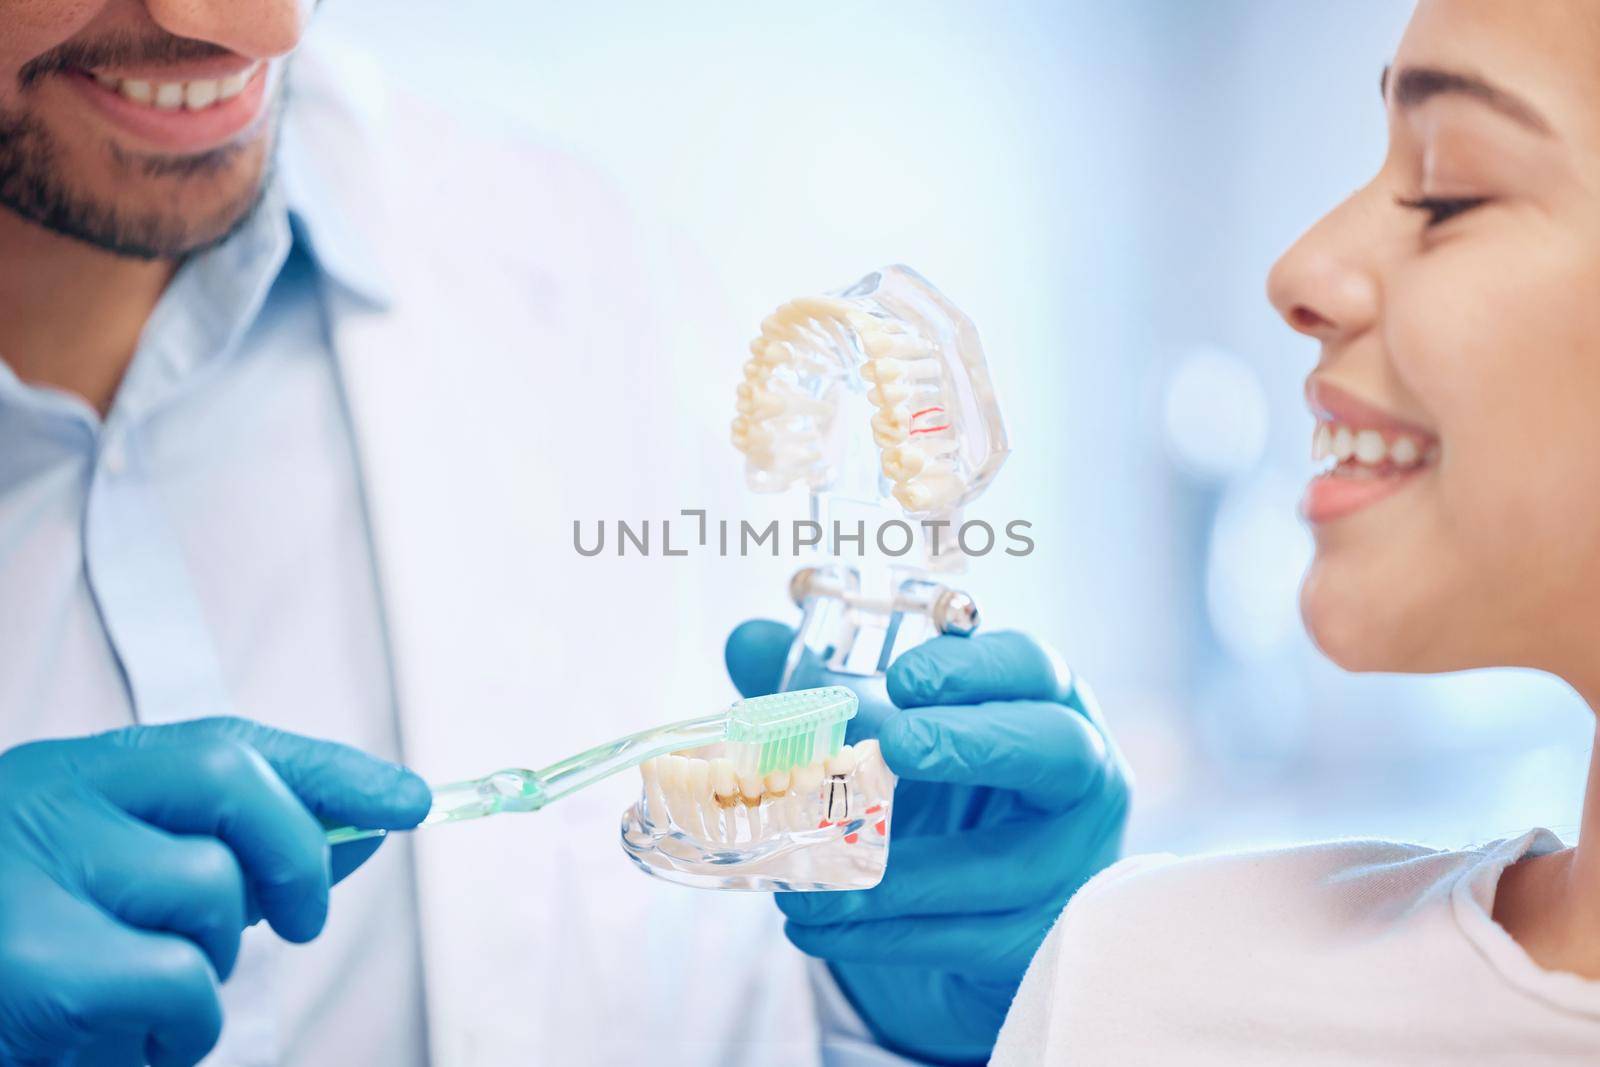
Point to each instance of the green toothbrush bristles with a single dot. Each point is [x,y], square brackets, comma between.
[788,730]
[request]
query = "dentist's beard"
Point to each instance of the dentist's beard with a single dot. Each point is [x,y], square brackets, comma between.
[34,185]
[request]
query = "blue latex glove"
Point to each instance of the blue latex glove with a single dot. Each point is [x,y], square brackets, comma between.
[1011,797]
[130,863]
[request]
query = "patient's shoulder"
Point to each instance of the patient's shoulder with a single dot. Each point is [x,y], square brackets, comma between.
[1288,896]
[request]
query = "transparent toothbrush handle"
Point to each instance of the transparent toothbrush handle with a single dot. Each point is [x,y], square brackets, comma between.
[508,790]
[602,761]
[519,790]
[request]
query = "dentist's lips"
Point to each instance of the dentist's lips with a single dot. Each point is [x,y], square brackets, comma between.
[180,129]
[1376,453]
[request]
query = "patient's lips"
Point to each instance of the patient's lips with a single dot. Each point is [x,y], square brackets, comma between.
[1371,453]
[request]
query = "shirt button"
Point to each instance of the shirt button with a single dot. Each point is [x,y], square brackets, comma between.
[114,458]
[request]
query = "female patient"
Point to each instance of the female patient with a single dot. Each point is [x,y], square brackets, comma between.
[1456,300]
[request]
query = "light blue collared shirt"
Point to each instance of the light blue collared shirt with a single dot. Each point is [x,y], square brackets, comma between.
[204,550]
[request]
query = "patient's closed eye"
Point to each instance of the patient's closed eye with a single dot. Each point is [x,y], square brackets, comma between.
[1441,209]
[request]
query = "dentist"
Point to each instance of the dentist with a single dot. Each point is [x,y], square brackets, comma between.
[292,369]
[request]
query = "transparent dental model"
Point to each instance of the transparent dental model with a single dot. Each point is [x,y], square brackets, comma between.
[877,399]
[822,824]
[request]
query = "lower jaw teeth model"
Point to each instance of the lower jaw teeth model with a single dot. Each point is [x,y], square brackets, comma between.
[877,399]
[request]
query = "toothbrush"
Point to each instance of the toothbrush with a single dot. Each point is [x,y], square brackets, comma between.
[767,734]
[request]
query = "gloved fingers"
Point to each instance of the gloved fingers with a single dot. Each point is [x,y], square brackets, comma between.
[338,783]
[977,669]
[156,989]
[1002,868]
[191,886]
[758,651]
[1047,752]
[755,654]
[988,946]
[225,789]
[347,857]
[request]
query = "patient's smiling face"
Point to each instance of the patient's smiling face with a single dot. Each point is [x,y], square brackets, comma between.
[1457,301]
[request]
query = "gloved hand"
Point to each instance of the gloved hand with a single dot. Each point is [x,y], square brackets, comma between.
[131,861]
[1012,795]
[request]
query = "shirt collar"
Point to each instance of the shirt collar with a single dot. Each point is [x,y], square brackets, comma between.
[332,184]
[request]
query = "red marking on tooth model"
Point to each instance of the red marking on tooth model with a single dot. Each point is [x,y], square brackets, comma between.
[874,809]
[936,409]
[851,839]
[882,827]
[823,825]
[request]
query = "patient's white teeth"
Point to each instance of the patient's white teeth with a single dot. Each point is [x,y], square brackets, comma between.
[197,95]
[1344,443]
[1367,449]
[137,91]
[233,85]
[169,95]
[1370,447]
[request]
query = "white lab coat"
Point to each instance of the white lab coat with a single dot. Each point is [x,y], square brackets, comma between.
[518,382]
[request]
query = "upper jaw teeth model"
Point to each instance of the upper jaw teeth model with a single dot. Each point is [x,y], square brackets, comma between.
[877,398]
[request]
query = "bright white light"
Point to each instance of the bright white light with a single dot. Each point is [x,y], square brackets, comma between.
[1215,413]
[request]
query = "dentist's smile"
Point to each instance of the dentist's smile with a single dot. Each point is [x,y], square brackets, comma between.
[184,110]
[1372,454]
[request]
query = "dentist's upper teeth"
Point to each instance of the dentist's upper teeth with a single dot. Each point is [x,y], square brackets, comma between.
[194,95]
[197,95]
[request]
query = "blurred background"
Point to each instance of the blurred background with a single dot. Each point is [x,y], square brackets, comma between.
[1102,187]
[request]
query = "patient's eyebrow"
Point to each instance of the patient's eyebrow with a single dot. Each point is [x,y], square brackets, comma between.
[1414,85]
